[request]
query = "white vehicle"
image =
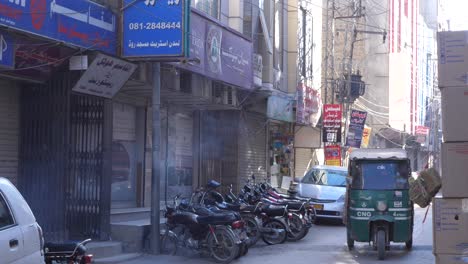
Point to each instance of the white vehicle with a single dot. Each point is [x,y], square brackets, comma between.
[326,185]
[21,239]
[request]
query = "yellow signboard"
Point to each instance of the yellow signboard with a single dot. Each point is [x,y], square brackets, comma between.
[366,137]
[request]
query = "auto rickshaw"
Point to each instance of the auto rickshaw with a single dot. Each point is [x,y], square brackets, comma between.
[379,209]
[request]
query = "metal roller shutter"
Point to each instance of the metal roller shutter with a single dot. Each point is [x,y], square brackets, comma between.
[302,158]
[252,146]
[9,130]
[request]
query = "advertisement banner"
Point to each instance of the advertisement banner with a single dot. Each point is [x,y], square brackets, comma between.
[79,22]
[280,108]
[332,115]
[308,105]
[421,133]
[357,121]
[7,50]
[154,28]
[333,155]
[105,76]
[221,54]
[366,134]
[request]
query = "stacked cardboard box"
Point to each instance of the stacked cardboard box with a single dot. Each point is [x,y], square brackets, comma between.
[450,215]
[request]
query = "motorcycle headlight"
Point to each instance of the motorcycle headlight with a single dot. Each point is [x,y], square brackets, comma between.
[341,199]
[381,206]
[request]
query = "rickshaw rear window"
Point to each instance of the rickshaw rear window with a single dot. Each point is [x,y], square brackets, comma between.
[380,175]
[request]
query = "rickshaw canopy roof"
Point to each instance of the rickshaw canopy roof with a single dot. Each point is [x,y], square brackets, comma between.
[375,154]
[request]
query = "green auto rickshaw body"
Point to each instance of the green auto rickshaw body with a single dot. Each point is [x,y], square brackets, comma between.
[363,213]
[377,196]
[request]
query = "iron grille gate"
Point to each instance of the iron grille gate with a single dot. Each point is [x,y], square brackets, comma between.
[61,159]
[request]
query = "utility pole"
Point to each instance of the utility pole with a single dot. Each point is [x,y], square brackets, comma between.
[329,53]
[155,169]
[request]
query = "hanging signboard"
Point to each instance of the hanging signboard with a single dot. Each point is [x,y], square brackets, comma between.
[421,133]
[7,50]
[280,108]
[332,115]
[356,128]
[79,22]
[105,76]
[308,104]
[333,155]
[155,29]
[366,133]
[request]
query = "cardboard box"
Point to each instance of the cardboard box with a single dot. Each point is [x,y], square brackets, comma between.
[453,58]
[454,114]
[451,259]
[450,222]
[454,170]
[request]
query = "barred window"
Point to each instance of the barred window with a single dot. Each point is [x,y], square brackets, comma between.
[210,7]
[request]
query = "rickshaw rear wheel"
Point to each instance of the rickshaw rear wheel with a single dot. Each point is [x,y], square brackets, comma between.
[381,244]
[409,244]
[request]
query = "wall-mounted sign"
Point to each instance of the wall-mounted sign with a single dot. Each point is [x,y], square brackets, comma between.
[308,104]
[257,68]
[221,54]
[332,115]
[280,108]
[154,28]
[333,155]
[356,128]
[421,133]
[105,76]
[79,22]
[7,50]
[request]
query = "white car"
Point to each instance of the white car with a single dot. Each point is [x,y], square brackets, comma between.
[326,185]
[21,239]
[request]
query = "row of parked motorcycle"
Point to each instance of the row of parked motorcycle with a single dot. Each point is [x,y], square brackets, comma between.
[226,226]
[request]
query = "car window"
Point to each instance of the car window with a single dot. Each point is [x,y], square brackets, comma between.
[6,219]
[325,177]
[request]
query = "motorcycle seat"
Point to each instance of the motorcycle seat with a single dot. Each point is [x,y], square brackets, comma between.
[274,210]
[217,219]
[249,209]
[233,207]
[64,248]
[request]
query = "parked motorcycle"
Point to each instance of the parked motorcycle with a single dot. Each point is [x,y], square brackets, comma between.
[67,253]
[262,221]
[302,214]
[202,230]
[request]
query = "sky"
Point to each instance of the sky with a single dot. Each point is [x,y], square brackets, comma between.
[456,11]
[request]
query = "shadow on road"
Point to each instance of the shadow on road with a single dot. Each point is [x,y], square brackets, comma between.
[329,222]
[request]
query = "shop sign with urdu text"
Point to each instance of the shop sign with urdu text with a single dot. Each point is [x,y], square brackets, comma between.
[155,29]
[332,115]
[80,23]
[357,121]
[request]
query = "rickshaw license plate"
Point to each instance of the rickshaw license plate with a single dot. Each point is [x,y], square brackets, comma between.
[318,206]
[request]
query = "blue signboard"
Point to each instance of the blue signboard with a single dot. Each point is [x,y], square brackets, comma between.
[7,50]
[154,28]
[79,22]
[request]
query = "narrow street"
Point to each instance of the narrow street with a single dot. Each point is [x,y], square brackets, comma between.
[326,243]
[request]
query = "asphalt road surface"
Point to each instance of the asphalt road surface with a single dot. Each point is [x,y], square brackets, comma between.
[326,243]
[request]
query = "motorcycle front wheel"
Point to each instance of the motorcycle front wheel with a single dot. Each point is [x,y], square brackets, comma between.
[253,231]
[222,246]
[278,237]
[298,229]
[168,245]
